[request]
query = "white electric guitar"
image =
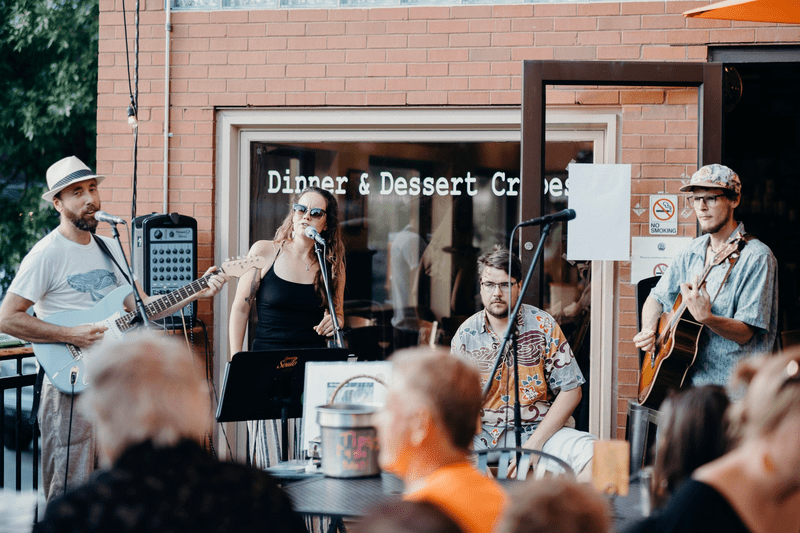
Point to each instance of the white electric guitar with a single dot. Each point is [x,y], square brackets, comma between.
[65,364]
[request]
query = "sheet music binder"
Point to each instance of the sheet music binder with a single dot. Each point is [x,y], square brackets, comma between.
[259,385]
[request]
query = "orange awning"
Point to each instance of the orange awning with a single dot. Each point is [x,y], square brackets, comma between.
[785,11]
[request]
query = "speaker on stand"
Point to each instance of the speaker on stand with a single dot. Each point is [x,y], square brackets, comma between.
[165,259]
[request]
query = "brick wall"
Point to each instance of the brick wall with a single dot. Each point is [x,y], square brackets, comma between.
[417,56]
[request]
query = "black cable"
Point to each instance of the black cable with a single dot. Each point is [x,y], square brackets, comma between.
[213,386]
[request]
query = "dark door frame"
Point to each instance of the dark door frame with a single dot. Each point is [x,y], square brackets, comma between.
[536,75]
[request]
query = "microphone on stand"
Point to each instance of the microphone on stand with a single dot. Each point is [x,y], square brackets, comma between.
[102,216]
[314,235]
[566,214]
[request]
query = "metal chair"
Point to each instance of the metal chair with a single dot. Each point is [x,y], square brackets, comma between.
[542,464]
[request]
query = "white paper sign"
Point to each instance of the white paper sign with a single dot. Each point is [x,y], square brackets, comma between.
[663,214]
[651,256]
[601,198]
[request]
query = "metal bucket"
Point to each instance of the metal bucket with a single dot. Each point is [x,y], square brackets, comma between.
[349,440]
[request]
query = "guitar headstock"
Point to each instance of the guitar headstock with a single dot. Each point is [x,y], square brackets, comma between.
[240,265]
[730,249]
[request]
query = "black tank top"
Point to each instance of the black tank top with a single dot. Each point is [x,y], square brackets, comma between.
[287,314]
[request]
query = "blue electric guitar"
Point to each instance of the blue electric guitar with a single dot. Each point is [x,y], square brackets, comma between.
[65,364]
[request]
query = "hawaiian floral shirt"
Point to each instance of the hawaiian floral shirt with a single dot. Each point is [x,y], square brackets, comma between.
[546,367]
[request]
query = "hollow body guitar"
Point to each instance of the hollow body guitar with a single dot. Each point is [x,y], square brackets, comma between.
[65,364]
[677,336]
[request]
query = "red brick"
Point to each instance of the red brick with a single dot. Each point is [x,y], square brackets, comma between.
[429,41]
[490,54]
[471,69]
[641,8]
[556,39]
[325,56]
[449,56]
[782,34]
[506,68]
[386,99]
[245,86]
[227,72]
[287,57]
[472,12]
[247,30]
[599,38]
[266,71]
[468,98]
[644,37]
[407,27]
[406,84]
[262,99]
[535,53]
[387,41]
[325,28]
[428,13]
[426,70]
[611,53]
[427,98]
[285,29]
[512,39]
[450,83]
[406,56]
[475,40]
[487,83]
[346,99]
[555,10]
[267,15]
[387,70]
[663,22]
[619,23]
[599,9]
[345,71]
[387,13]
[575,53]
[306,43]
[366,56]
[366,28]
[448,26]
[347,42]
[347,15]
[683,37]
[732,36]
[365,85]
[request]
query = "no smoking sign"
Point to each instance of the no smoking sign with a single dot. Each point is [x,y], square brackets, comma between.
[663,214]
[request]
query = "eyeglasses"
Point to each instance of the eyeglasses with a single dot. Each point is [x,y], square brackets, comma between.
[710,200]
[315,212]
[488,286]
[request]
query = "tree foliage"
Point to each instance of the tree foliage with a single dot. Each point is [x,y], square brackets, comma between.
[48,103]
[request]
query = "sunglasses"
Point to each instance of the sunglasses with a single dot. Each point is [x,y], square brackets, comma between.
[315,212]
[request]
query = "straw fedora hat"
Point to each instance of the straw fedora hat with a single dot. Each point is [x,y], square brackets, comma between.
[64,173]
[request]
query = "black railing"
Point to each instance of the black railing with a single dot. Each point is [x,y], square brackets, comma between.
[18,429]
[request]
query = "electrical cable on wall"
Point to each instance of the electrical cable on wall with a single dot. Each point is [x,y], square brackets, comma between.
[133,108]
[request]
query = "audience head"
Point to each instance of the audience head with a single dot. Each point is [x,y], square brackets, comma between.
[556,505]
[433,406]
[145,387]
[766,422]
[692,431]
[408,517]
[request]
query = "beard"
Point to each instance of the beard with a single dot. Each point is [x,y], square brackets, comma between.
[502,313]
[715,228]
[82,223]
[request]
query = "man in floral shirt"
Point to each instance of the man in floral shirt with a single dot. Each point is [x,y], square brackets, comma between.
[549,378]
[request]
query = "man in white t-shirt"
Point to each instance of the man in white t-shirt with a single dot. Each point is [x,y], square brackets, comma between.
[67,271]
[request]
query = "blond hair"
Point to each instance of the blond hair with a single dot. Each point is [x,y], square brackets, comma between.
[772,394]
[145,387]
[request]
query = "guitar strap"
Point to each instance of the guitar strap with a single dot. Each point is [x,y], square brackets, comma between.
[732,260]
[106,251]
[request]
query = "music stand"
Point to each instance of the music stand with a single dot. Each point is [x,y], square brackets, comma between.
[266,385]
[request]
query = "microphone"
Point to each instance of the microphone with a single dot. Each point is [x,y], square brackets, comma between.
[313,234]
[566,214]
[102,216]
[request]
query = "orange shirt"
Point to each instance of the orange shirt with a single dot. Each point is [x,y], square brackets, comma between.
[473,500]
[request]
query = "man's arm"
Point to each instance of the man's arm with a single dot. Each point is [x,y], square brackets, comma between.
[555,418]
[651,312]
[15,320]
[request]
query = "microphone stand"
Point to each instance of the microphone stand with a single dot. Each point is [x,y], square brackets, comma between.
[511,330]
[323,267]
[136,296]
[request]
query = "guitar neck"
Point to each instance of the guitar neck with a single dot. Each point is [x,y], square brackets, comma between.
[166,301]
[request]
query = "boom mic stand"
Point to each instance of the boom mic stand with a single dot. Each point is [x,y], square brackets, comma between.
[511,330]
[136,296]
[323,267]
